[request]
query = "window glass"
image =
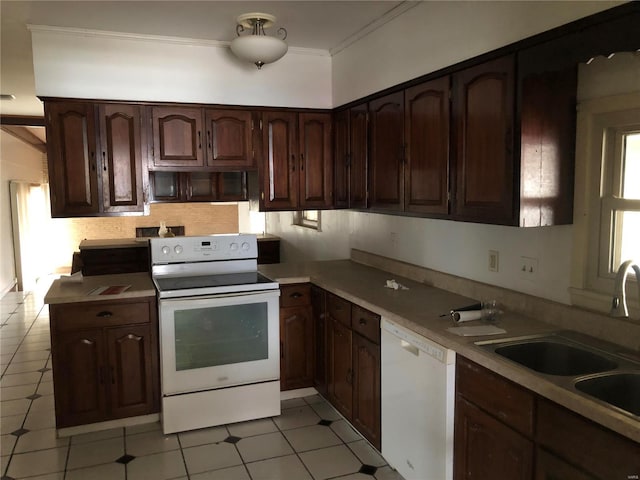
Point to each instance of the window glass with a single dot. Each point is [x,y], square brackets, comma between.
[631,170]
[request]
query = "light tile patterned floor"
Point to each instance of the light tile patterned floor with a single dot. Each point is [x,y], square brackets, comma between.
[310,440]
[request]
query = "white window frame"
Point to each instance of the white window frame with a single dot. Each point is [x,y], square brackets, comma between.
[301,219]
[601,122]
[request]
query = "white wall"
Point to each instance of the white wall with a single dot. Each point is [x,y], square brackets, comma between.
[123,67]
[434,35]
[17,162]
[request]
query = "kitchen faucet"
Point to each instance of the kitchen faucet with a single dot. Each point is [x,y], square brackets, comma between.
[619,304]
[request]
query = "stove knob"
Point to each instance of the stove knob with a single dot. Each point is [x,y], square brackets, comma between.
[245,246]
[233,246]
[166,250]
[178,249]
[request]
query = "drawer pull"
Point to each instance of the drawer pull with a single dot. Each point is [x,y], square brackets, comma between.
[363,321]
[295,295]
[104,314]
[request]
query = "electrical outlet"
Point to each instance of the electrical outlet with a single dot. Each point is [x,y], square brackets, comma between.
[528,267]
[494,258]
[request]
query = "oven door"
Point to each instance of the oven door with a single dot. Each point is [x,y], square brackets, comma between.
[219,341]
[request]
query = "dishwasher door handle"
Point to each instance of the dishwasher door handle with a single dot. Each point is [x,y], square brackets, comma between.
[409,347]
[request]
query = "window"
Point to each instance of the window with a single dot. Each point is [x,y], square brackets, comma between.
[307,218]
[607,219]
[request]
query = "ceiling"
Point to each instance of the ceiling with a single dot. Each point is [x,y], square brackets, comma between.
[310,24]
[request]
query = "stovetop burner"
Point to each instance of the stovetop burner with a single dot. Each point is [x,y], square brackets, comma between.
[212,281]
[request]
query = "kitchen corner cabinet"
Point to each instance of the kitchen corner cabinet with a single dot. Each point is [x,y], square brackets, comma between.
[353,354]
[350,153]
[201,138]
[168,186]
[319,313]
[387,154]
[296,337]
[95,153]
[105,360]
[501,427]
[297,169]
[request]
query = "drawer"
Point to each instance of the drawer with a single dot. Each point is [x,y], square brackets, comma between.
[366,323]
[499,397]
[295,295]
[339,308]
[89,315]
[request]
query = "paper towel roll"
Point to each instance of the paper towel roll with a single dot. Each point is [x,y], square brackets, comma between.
[467,316]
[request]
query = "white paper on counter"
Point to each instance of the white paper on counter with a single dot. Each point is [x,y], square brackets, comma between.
[476,331]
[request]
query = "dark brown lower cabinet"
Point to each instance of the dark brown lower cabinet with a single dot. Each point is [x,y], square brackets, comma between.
[105,360]
[366,388]
[296,337]
[487,449]
[501,427]
[340,385]
[318,308]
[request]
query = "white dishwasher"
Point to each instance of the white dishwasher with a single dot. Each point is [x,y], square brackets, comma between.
[418,392]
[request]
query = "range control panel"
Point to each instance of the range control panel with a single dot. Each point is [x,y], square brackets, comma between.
[203,248]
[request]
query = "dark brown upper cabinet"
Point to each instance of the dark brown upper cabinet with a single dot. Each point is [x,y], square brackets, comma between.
[95,158]
[177,137]
[426,122]
[387,154]
[483,105]
[71,155]
[199,186]
[350,153]
[297,171]
[229,138]
[121,157]
[202,138]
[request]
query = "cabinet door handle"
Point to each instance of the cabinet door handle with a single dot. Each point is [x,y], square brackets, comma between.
[363,321]
[293,163]
[295,295]
[113,375]
[104,314]
[209,138]
[350,377]
[101,375]
[104,161]
[301,161]
[199,140]
[93,163]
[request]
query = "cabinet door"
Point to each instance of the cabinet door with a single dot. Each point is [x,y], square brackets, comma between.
[358,159]
[201,186]
[486,449]
[387,152]
[318,308]
[165,187]
[71,152]
[229,138]
[121,158]
[340,367]
[316,160]
[280,168]
[131,361]
[79,376]
[366,389]
[550,467]
[341,155]
[232,186]
[296,348]
[177,137]
[427,136]
[484,107]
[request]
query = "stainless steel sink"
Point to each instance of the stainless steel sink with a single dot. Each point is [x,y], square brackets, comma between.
[554,358]
[619,389]
[584,365]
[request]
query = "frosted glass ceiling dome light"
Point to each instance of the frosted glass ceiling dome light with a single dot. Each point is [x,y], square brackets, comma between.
[258,48]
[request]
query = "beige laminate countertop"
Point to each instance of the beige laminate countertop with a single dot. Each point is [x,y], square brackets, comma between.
[419,310]
[61,292]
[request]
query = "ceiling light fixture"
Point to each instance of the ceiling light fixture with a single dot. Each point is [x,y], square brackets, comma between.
[258,48]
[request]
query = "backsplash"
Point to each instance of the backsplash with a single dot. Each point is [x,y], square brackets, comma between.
[622,332]
[197,218]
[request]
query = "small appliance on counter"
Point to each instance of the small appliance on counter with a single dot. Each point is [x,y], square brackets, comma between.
[219,331]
